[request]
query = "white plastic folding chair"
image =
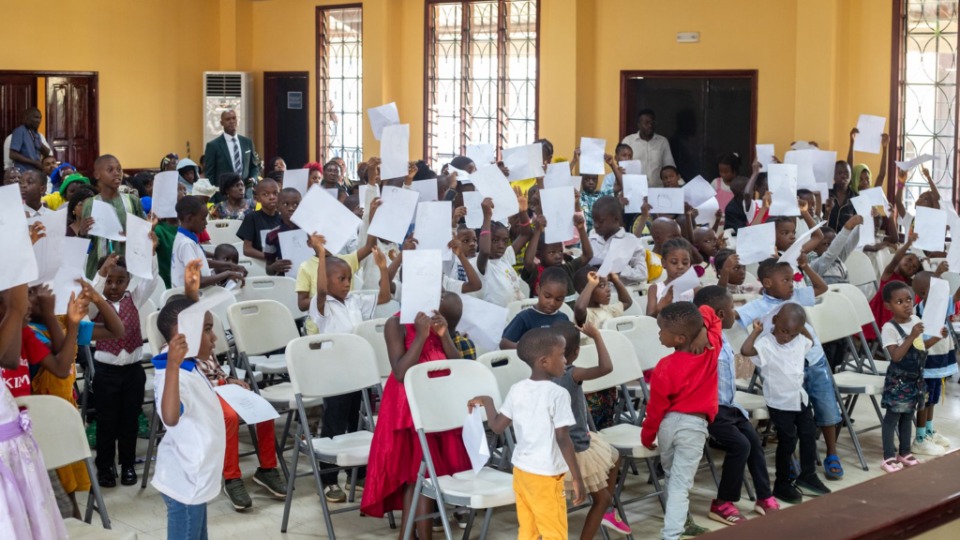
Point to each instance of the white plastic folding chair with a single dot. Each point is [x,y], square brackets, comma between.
[438,403]
[279,288]
[62,439]
[223,231]
[254,267]
[507,367]
[372,331]
[643,334]
[261,331]
[317,370]
[860,270]
[864,318]
[518,305]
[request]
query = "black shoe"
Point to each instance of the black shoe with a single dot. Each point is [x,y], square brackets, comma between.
[128,475]
[107,478]
[812,486]
[788,493]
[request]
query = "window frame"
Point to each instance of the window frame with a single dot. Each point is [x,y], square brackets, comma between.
[321,87]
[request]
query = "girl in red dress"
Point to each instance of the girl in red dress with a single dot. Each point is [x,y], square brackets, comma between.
[902,267]
[395,453]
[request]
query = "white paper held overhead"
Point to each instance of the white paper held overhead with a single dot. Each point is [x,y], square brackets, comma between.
[871,131]
[756,243]
[297,179]
[931,228]
[139,253]
[697,191]
[106,224]
[420,289]
[491,183]
[782,179]
[381,117]
[432,229]
[320,213]
[591,155]
[395,151]
[635,189]
[395,214]
[472,201]
[20,262]
[164,199]
[558,208]
[665,200]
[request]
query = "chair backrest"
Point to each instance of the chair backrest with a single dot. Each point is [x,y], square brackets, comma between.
[279,288]
[882,258]
[518,305]
[507,367]
[954,279]
[372,331]
[736,336]
[751,279]
[644,334]
[58,430]
[438,392]
[254,267]
[860,270]
[833,318]
[860,303]
[626,366]
[223,231]
[261,326]
[144,312]
[325,365]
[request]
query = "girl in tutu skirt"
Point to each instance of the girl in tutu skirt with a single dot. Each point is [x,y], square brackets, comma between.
[395,453]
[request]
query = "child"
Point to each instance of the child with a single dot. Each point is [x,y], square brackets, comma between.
[186,245]
[118,386]
[188,174]
[598,461]
[902,267]
[781,354]
[190,455]
[778,288]
[903,385]
[550,296]
[732,427]
[940,364]
[607,226]
[683,401]
[395,453]
[542,415]
[109,175]
[828,256]
[551,255]
[497,255]
[307,274]
[335,311]
[731,273]
[623,152]
[786,228]
[29,507]
[257,224]
[276,264]
[71,183]
[677,254]
[740,210]
[589,192]
[670,176]
[32,187]
[468,243]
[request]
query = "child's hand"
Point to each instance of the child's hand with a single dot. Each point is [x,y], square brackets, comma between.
[153,240]
[239,383]
[941,268]
[487,207]
[623,200]
[578,221]
[853,222]
[579,492]
[474,403]
[379,259]
[438,324]
[89,292]
[666,300]
[646,207]
[593,279]
[943,332]
[828,206]
[108,264]
[522,201]
[614,277]
[653,446]
[317,242]
[410,243]
[853,133]
[77,308]
[767,200]
[912,238]
[756,167]
[884,140]
[729,264]
[700,343]
[177,351]
[608,159]
[757,327]
[503,168]
[459,213]
[925,172]
[540,223]
[191,275]
[804,207]
[802,261]
[456,246]
[916,330]
[375,203]
[411,169]
[37,231]
[590,330]
[280,266]
[422,324]
[85,225]
[46,299]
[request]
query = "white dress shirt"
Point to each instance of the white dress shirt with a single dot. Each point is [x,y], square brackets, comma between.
[635,273]
[653,155]
[185,249]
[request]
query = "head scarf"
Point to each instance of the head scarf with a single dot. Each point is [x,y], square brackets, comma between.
[76,177]
[187,163]
[55,175]
[855,177]
[167,159]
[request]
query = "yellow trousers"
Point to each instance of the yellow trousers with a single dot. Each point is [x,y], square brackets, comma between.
[541,506]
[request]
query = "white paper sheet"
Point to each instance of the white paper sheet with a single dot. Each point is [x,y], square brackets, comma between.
[367,194]
[47,250]
[824,166]
[935,307]
[139,253]
[106,224]
[73,253]
[294,248]
[394,151]
[20,263]
[618,255]
[482,154]
[907,165]
[524,162]
[635,188]
[483,322]
[687,281]
[803,159]
[632,166]
[953,253]
[395,214]
[871,130]
[931,228]
[333,192]
[381,117]
[782,181]
[868,231]
[665,200]
[475,440]
[427,188]
[557,170]
[877,198]
[757,242]
[320,213]
[792,253]
[472,201]
[165,188]
[698,191]
[765,155]
[707,211]
[824,190]
[558,208]
[462,176]
[559,182]
[591,155]
[491,183]
[420,289]
[297,179]
[248,405]
[432,229]
[190,323]
[907,222]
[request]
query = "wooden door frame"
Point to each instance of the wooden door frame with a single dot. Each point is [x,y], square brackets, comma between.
[306,106]
[627,75]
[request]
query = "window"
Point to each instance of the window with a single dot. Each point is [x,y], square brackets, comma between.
[481,75]
[928,93]
[340,85]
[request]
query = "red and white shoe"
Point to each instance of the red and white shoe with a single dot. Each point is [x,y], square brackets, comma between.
[766,506]
[725,512]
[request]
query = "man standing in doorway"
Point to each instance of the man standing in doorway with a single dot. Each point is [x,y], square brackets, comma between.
[651,149]
[27,145]
[230,153]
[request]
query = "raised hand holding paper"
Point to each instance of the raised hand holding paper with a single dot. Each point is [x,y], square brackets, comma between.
[20,263]
[297,179]
[380,117]
[698,191]
[635,188]
[420,289]
[935,307]
[558,208]
[491,183]
[632,167]
[190,323]
[765,154]
[394,215]
[688,280]
[367,194]
[931,228]
[427,188]
[665,200]
[47,249]
[432,229]
[106,224]
[591,155]
[558,175]
[293,245]
[320,213]
[782,179]
[792,254]
[871,132]
[73,260]
[472,201]
[707,211]
[757,242]
[483,322]
[482,154]
[394,151]
[868,230]
[524,162]
[165,192]
[139,253]
[907,165]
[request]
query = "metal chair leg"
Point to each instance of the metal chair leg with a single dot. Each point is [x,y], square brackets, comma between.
[95,495]
[151,446]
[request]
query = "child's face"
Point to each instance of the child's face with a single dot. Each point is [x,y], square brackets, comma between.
[909,265]
[109,173]
[864,180]
[189,174]
[786,234]
[267,193]
[786,329]
[625,154]
[208,338]
[499,241]
[676,263]
[588,182]
[338,280]
[553,362]
[315,177]
[670,178]
[825,242]
[288,205]
[705,240]
[181,191]
[117,281]
[148,187]
[738,275]
[468,241]
[841,175]
[550,297]
[811,201]
[780,284]
[725,309]
[901,304]
[601,293]
[551,255]
[921,287]
[196,223]
[533,202]
[232,258]
[669,339]
[606,224]
[31,189]
[726,172]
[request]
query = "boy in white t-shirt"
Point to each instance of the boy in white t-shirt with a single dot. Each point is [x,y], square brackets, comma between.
[192,213]
[540,412]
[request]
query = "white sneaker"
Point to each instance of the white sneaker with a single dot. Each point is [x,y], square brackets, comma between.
[927,448]
[939,439]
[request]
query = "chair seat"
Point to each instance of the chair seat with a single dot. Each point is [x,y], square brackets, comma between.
[348,450]
[242,375]
[270,365]
[882,366]
[753,403]
[859,383]
[79,530]
[282,395]
[489,489]
[626,439]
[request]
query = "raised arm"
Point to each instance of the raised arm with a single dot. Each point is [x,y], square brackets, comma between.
[586,249]
[895,261]
[817,235]
[529,256]
[604,364]
[318,241]
[112,327]
[473,279]
[882,174]
[933,187]
[748,348]
[819,286]
[403,358]
[380,259]
[583,299]
[17,302]
[853,137]
[483,245]
[623,295]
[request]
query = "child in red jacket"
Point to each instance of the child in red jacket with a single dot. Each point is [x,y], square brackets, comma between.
[683,400]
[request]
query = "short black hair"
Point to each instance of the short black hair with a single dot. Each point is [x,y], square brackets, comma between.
[276,175]
[121,262]
[827,230]
[554,274]
[291,191]
[608,206]
[769,267]
[190,206]
[893,287]
[536,342]
[424,172]
[730,159]
[580,278]
[794,312]
[80,195]
[264,182]
[646,112]
[681,318]
[720,258]
[668,168]
[783,220]
[167,319]
[461,162]
[571,336]
[226,251]
[547,147]
[711,295]
[228,180]
[621,146]
[674,244]
[139,182]
[36,176]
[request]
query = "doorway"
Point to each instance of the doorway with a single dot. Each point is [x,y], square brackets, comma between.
[286,117]
[69,102]
[702,113]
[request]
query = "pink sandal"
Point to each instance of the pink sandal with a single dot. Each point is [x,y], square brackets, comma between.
[891,465]
[908,460]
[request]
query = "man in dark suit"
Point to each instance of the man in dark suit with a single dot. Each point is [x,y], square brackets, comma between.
[230,153]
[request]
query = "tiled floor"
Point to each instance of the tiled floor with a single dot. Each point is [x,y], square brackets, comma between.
[143,512]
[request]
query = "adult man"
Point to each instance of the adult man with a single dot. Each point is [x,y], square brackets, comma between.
[230,153]
[651,149]
[27,146]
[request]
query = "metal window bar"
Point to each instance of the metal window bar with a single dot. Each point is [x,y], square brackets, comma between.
[340,86]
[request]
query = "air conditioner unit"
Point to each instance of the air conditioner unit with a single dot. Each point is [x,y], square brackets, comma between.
[225,90]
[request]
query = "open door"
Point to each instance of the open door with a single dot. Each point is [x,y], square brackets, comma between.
[286,117]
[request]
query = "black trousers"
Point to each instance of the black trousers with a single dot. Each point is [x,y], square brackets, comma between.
[795,427]
[341,414]
[118,397]
[740,439]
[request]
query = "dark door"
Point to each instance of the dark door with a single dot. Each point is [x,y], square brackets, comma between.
[17,93]
[285,117]
[71,118]
[702,114]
